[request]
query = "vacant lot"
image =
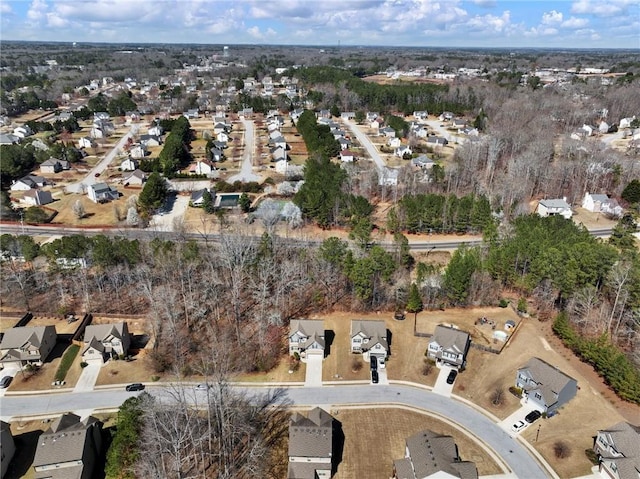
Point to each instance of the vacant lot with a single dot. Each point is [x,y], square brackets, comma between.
[96,214]
[386,430]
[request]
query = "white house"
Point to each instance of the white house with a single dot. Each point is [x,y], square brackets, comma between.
[449,345]
[102,341]
[222,136]
[54,165]
[618,451]
[626,122]
[402,151]
[601,204]
[101,192]
[347,156]
[394,142]
[369,337]
[22,131]
[138,151]
[28,182]
[203,167]
[135,178]
[388,177]
[282,166]
[86,142]
[37,197]
[554,207]
[129,164]
[306,336]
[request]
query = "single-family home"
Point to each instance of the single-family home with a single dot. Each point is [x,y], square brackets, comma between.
[129,164]
[394,142]
[626,122]
[202,167]
[323,114]
[421,132]
[150,141]
[9,139]
[437,141]
[219,144]
[295,114]
[155,130]
[459,123]
[387,131]
[402,151]
[134,178]
[421,115]
[28,182]
[131,116]
[375,124]
[449,346]
[618,451]
[22,131]
[27,344]
[344,143]
[219,128]
[369,337]
[545,386]
[446,116]
[432,455]
[310,445]
[347,156]
[191,113]
[422,162]
[86,142]
[371,115]
[552,207]
[348,115]
[7,447]
[222,136]
[37,197]
[597,203]
[281,166]
[306,336]
[216,154]
[388,177]
[197,197]
[278,142]
[103,341]
[138,151]
[54,165]
[70,448]
[101,193]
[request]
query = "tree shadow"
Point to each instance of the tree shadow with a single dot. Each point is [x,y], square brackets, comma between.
[329,337]
[389,341]
[337,446]
[26,445]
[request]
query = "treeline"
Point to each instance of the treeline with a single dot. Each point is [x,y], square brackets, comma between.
[317,138]
[21,102]
[434,213]
[611,363]
[117,106]
[175,152]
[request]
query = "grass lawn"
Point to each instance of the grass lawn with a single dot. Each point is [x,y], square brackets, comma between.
[96,214]
[278,374]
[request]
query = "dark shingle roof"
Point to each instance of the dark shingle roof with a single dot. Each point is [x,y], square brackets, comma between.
[451,338]
[430,453]
[549,378]
[311,436]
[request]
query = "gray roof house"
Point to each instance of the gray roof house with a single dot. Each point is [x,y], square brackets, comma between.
[54,165]
[69,448]
[369,337]
[37,197]
[306,336]
[104,340]
[101,192]
[310,445]
[618,450]
[197,197]
[27,344]
[449,345]
[428,454]
[545,386]
[7,447]
[554,207]
[28,182]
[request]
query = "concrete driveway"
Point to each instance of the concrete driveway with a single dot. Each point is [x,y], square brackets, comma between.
[8,371]
[166,221]
[313,375]
[441,387]
[88,377]
[525,408]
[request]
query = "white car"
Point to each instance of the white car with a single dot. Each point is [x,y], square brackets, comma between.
[519,426]
[202,387]
[381,363]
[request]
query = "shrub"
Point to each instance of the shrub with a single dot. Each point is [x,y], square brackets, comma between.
[66,362]
[561,449]
[497,396]
[522,305]
[503,303]
[592,456]
[155,378]
[356,364]
[427,367]
[516,391]
[84,364]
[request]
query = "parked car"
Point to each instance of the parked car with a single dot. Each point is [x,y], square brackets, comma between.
[97,175]
[374,377]
[202,387]
[398,315]
[135,387]
[518,426]
[533,416]
[452,376]
[5,381]
[381,363]
[374,363]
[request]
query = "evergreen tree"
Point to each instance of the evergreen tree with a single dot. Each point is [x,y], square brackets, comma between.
[457,277]
[153,194]
[207,201]
[414,302]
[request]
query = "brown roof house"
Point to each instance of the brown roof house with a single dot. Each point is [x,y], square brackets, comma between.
[618,450]
[69,449]
[369,337]
[102,341]
[306,336]
[449,345]
[27,345]
[310,445]
[428,454]
[545,386]
[7,447]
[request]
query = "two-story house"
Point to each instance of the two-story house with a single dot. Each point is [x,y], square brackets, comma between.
[545,386]
[101,193]
[430,455]
[102,341]
[27,345]
[369,337]
[449,345]
[54,165]
[618,450]
[306,336]
[310,445]
[554,207]
[69,448]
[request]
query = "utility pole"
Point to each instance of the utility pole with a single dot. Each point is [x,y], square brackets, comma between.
[22,221]
[538,432]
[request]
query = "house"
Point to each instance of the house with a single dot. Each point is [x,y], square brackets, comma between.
[423,162]
[375,124]
[601,204]
[626,122]
[131,116]
[7,447]
[28,182]
[459,123]
[9,139]
[70,448]
[219,128]
[545,386]
[103,341]
[278,153]
[388,177]
[554,207]
[306,336]
[22,132]
[135,178]
[278,142]
[371,115]
[431,455]
[203,167]
[394,142]
[369,337]
[129,164]
[446,116]
[191,113]
[197,197]
[222,136]
[37,197]
[348,115]
[618,451]
[437,141]
[344,143]
[216,154]
[420,132]
[101,193]
[401,151]
[150,141]
[310,445]
[54,165]
[449,346]
[421,115]
[281,166]
[27,345]
[387,131]
[323,114]
[347,156]
[138,151]
[39,145]
[155,130]
[86,142]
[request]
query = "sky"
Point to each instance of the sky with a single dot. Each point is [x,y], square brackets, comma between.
[437,23]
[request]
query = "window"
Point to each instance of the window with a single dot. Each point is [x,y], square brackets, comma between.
[538,396]
[357,340]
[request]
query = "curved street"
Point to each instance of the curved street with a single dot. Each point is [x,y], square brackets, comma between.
[510,450]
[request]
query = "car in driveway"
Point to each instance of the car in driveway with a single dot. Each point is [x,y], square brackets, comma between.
[5,381]
[452,376]
[519,426]
[201,387]
[381,363]
[374,377]
[374,363]
[135,387]
[533,416]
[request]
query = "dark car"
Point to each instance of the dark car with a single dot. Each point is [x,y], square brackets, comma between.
[135,387]
[97,175]
[374,377]
[533,416]
[5,381]
[452,376]
[374,363]
[399,315]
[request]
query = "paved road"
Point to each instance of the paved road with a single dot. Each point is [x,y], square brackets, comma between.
[514,454]
[91,179]
[364,140]
[246,172]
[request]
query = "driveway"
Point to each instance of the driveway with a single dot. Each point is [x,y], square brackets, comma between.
[246,172]
[88,377]
[8,371]
[525,408]
[441,387]
[313,375]
[167,220]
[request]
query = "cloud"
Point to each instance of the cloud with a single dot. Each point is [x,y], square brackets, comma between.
[575,22]
[491,23]
[37,11]
[256,33]
[551,18]
[599,8]
[5,9]
[485,3]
